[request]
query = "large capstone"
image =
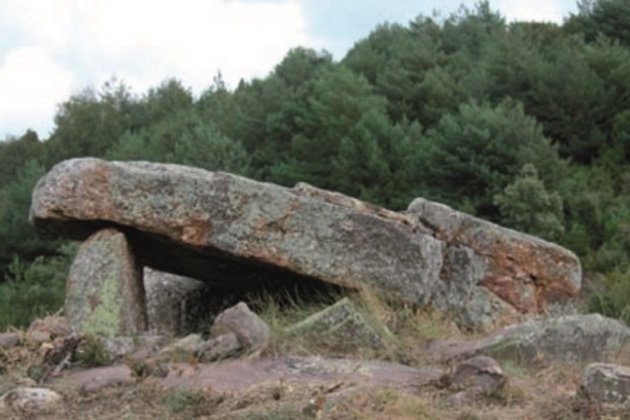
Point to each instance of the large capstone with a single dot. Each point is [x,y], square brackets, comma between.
[235,233]
[104,291]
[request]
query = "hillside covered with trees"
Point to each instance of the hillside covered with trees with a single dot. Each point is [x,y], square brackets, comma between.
[525,124]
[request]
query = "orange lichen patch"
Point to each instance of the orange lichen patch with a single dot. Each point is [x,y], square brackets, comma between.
[525,276]
[515,291]
[269,255]
[196,230]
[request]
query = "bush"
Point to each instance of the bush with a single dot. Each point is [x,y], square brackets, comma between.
[615,302]
[32,290]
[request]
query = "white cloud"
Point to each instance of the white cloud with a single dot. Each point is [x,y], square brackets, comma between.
[536,10]
[31,84]
[142,42]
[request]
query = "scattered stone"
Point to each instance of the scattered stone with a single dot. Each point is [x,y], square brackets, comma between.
[475,379]
[9,339]
[117,347]
[104,292]
[95,379]
[572,338]
[49,328]
[341,326]
[252,332]
[190,344]
[607,386]
[30,401]
[220,347]
[176,305]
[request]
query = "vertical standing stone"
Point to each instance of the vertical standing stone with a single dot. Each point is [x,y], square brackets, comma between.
[104,292]
[177,305]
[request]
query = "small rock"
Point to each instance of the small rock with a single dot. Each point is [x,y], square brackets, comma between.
[92,380]
[49,328]
[480,374]
[342,323]
[118,346]
[252,332]
[219,347]
[191,343]
[607,386]
[30,401]
[9,339]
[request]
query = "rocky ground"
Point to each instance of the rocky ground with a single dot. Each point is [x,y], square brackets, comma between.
[539,369]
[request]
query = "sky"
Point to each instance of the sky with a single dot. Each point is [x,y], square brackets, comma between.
[52,49]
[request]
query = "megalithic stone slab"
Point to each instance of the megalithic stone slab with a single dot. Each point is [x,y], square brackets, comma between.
[218,227]
[104,291]
[524,271]
[234,233]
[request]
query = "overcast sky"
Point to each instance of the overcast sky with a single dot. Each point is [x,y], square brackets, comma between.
[50,49]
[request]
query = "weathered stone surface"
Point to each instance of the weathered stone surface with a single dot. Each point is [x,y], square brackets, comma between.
[339,324]
[194,347]
[252,332]
[233,233]
[524,271]
[218,226]
[607,386]
[104,291]
[49,328]
[572,338]
[95,379]
[234,375]
[176,305]
[220,347]
[9,339]
[189,344]
[480,373]
[30,401]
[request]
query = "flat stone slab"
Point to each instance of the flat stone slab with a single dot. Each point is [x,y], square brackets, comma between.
[235,233]
[572,338]
[607,387]
[241,374]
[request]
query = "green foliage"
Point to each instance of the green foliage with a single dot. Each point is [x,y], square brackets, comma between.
[526,205]
[615,302]
[91,352]
[471,156]
[183,138]
[34,289]
[610,18]
[196,403]
[17,236]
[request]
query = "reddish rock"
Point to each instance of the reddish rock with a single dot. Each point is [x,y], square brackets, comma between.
[48,329]
[524,271]
[233,231]
[236,233]
[252,332]
[92,380]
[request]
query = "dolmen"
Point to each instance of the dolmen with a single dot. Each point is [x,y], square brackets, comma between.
[236,234]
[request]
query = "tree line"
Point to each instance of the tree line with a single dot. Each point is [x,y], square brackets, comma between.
[525,124]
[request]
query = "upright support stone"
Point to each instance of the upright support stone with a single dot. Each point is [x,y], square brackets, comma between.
[104,292]
[177,305]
